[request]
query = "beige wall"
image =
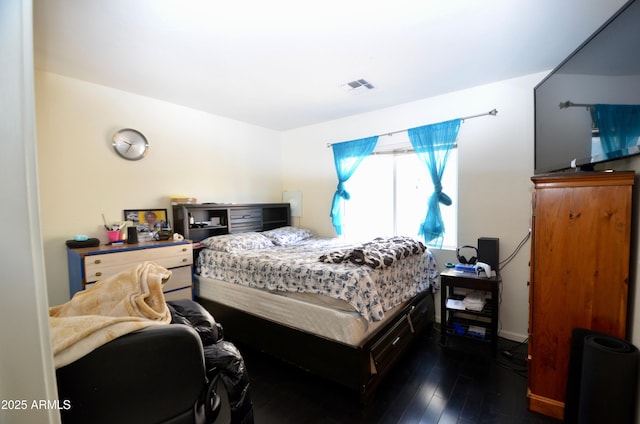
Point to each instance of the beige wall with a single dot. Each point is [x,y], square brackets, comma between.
[193,153]
[221,160]
[216,159]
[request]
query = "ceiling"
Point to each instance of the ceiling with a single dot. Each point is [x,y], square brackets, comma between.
[280,64]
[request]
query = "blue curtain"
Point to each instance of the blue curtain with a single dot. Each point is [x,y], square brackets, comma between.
[619,127]
[432,144]
[347,156]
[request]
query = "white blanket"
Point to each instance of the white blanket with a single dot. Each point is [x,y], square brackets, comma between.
[117,305]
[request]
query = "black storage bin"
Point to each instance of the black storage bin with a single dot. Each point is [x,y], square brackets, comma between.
[603,379]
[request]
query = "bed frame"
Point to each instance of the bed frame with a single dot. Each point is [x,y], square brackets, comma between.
[359,368]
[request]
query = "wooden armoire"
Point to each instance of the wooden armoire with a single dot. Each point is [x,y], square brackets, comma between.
[581,231]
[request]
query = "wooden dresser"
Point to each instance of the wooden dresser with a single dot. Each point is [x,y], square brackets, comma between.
[90,264]
[581,231]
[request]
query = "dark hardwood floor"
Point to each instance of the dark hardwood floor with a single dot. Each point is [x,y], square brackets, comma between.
[429,385]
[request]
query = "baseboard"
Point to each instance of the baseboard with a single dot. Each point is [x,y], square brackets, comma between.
[545,406]
[514,337]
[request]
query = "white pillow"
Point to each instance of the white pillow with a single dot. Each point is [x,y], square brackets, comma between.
[286,235]
[237,242]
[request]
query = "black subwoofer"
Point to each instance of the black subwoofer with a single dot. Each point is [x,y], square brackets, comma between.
[488,251]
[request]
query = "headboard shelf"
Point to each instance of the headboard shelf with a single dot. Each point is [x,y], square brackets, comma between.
[212,219]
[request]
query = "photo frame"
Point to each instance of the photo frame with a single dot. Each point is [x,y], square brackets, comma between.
[147,220]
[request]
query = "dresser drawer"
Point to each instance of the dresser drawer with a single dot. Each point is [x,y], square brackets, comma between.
[105,265]
[180,278]
[179,294]
[180,281]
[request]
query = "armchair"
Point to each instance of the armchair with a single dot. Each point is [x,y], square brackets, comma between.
[154,375]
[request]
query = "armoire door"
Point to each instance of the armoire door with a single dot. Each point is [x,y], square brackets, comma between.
[581,229]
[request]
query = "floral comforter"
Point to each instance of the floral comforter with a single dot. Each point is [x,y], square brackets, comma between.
[297,268]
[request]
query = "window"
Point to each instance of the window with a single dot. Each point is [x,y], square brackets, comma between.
[389,193]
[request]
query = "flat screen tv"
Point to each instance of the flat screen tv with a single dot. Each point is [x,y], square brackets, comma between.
[571,130]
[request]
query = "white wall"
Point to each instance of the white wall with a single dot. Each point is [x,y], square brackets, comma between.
[495,166]
[193,153]
[496,163]
[26,362]
[216,159]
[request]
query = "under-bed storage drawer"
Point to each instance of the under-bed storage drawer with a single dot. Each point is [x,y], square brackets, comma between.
[385,350]
[422,313]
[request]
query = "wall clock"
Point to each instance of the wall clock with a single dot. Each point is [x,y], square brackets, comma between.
[130,144]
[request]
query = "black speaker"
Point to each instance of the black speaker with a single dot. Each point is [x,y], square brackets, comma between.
[488,252]
[132,235]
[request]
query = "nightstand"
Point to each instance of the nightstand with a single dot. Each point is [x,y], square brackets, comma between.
[462,328]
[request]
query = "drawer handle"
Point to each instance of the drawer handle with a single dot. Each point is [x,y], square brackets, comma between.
[413,330]
[184,249]
[98,274]
[97,261]
[185,260]
[395,341]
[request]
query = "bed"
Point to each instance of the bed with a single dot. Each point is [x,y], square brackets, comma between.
[332,308]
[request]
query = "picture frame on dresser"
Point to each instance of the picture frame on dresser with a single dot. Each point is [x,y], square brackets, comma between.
[147,219]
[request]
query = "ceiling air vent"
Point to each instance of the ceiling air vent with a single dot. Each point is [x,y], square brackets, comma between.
[357,86]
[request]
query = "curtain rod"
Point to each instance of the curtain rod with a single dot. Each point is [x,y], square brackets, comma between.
[569,103]
[492,112]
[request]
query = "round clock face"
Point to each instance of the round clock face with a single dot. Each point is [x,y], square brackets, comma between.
[130,144]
